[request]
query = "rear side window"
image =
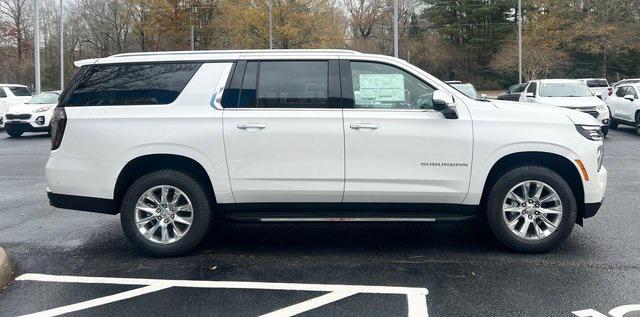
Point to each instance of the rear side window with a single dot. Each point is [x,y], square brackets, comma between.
[295,84]
[20,91]
[594,83]
[2,93]
[132,84]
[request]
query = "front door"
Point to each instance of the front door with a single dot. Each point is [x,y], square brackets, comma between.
[399,150]
[283,132]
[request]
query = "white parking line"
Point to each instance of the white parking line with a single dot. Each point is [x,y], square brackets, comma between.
[416,297]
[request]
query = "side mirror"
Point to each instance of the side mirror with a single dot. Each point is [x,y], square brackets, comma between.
[630,97]
[530,95]
[483,96]
[442,102]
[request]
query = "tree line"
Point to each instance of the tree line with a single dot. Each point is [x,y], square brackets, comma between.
[469,40]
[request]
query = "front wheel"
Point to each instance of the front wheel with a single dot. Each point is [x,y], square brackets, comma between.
[165,213]
[14,132]
[531,209]
[605,130]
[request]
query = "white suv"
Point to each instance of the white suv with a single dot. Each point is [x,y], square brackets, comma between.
[31,116]
[173,141]
[625,106]
[11,95]
[568,93]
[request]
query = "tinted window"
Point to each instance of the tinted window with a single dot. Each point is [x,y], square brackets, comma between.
[632,91]
[517,88]
[248,91]
[532,88]
[597,83]
[621,91]
[2,93]
[380,86]
[293,84]
[20,91]
[132,84]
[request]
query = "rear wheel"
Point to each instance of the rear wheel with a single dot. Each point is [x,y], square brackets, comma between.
[14,132]
[165,213]
[638,121]
[531,209]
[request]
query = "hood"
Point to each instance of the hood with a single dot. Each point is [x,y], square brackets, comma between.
[571,102]
[577,117]
[27,108]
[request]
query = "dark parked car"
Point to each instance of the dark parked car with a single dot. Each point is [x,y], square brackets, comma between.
[513,93]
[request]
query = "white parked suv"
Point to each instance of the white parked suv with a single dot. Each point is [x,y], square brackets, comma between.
[11,95]
[625,106]
[31,116]
[568,93]
[173,141]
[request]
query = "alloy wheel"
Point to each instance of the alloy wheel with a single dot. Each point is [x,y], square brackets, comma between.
[163,214]
[532,210]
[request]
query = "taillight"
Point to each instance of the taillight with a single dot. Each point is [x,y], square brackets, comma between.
[610,91]
[58,124]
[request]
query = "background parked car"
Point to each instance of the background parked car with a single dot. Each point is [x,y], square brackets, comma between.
[513,92]
[468,89]
[625,106]
[626,81]
[10,95]
[31,116]
[598,86]
[568,93]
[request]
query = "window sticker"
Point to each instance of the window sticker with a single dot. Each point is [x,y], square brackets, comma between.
[380,88]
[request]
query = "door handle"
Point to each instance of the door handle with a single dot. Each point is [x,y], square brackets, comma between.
[251,126]
[365,126]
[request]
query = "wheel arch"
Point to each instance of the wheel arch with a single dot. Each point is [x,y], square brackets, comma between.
[146,164]
[555,162]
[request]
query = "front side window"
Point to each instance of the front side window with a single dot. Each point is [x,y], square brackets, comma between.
[564,90]
[132,84]
[292,84]
[380,86]
[621,91]
[20,91]
[2,93]
[532,88]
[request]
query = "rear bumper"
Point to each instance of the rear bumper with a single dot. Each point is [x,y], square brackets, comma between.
[90,204]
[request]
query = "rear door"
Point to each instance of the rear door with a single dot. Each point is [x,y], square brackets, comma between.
[629,106]
[283,132]
[398,149]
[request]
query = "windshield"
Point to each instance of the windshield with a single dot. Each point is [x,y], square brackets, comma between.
[44,98]
[564,90]
[466,89]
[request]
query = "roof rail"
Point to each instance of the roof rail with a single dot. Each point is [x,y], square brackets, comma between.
[265,51]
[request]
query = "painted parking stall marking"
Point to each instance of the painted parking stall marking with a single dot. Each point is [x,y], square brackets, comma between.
[416,297]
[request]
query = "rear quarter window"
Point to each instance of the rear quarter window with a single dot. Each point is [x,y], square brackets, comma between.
[131,84]
[20,91]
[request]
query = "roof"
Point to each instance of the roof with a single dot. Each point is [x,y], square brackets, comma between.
[559,81]
[209,55]
[12,85]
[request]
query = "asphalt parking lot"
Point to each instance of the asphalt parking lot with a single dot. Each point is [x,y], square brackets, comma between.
[316,269]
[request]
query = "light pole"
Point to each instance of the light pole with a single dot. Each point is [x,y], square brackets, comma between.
[270,24]
[61,47]
[193,44]
[520,41]
[395,28]
[36,45]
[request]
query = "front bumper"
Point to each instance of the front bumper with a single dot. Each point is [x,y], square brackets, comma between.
[25,126]
[591,209]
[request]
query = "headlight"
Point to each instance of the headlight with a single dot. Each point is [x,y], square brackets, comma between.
[601,107]
[591,132]
[42,109]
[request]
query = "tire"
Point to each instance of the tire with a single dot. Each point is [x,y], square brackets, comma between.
[605,130]
[613,124]
[192,192]
[531,242]
[638,121]
[14,133]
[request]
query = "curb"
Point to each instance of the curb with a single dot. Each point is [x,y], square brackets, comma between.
[5,268]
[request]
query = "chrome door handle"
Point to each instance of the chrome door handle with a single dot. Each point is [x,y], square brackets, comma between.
[251,126]
[369,126]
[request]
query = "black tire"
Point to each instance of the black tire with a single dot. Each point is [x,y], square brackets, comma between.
[613,124]
[496,199]
[14,132]
[638,121]
[605,130]
[201,213]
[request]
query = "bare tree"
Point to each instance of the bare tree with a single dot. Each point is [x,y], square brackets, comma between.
[18,12]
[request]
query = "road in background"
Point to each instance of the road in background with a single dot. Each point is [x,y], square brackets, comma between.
[466,272]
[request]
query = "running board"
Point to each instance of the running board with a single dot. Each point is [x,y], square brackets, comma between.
[347,219]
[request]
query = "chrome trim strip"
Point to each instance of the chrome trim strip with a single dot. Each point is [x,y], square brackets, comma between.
[347,219]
